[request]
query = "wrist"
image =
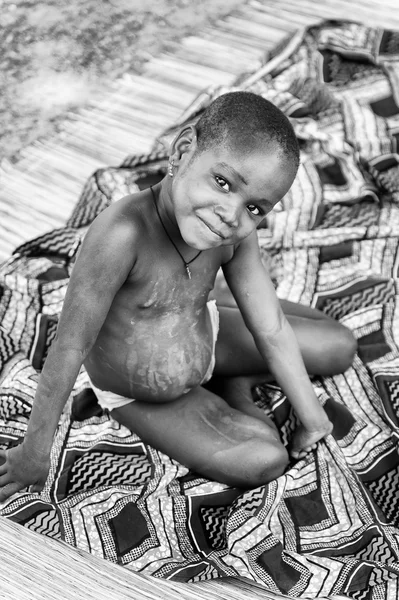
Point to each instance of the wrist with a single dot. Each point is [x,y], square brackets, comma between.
[39,448]
[323,425]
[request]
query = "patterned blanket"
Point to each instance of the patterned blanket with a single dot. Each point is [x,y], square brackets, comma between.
[330,525]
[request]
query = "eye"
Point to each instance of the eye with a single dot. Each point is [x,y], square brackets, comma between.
[255,210]
[222,183]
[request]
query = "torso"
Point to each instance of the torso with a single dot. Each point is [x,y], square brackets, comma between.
[156,342]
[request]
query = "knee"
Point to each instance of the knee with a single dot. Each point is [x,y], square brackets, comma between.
[272,465]
[251,453]
[256,464]
[344,350]
[334,349]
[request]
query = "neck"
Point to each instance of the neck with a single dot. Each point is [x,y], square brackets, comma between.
[185,261]
[164,202]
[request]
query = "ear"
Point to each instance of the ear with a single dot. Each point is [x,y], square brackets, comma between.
[184,143]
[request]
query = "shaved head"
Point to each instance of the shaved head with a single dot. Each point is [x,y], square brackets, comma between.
[245,121]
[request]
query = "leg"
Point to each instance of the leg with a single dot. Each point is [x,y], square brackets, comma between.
[237,392]
[204,433]
[239,366]
[327,347]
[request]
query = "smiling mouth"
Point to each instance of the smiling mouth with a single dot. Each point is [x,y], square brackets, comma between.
[212,229]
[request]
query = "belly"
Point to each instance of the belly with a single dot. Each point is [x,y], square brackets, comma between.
[156,359]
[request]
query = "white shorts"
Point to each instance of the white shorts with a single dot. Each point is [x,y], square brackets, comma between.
[108,400]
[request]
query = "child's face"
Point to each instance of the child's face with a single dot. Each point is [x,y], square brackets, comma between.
[223,195]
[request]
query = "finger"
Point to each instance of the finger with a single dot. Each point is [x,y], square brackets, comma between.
[3,456]
[9,490]
[5,479]
[295,454]
[310,448]
[37,488]
[3,469]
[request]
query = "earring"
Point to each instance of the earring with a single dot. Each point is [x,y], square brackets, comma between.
[170,167]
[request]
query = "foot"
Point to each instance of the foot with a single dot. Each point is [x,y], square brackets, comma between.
[305,440]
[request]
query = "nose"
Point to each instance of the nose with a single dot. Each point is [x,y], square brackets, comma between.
[229,214]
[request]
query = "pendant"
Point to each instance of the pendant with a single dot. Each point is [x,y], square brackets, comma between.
[188,270]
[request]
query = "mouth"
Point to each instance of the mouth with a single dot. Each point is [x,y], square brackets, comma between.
[212,229]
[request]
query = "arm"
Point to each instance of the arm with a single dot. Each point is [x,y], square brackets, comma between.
[274,337]
[104,262]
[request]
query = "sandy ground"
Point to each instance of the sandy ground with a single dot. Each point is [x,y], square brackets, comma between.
[55,54]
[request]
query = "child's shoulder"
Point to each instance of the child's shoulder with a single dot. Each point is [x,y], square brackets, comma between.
[130,212]
[122,225]
[134,204]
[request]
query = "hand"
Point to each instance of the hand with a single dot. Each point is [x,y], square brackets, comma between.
[304,440]
[21,467]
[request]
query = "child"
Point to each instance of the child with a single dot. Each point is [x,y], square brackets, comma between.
[137,313]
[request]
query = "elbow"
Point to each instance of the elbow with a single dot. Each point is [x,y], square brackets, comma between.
[275,335]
